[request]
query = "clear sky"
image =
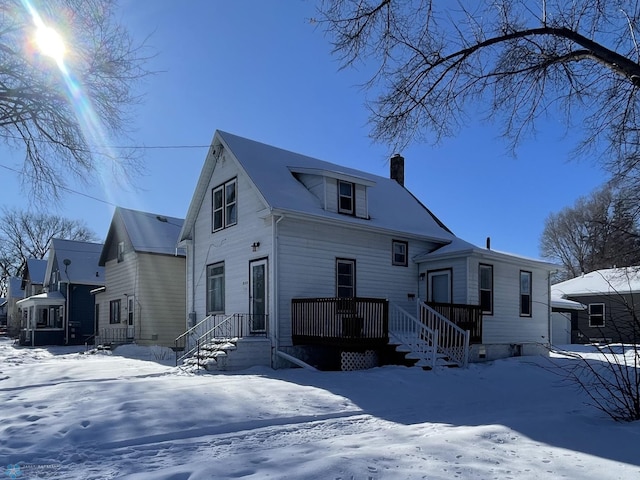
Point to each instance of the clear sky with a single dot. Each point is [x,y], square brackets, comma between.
[260,69]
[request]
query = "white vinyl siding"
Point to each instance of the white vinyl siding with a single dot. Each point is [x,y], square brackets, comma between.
[233,246]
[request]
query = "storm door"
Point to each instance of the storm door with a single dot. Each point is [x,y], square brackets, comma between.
[258,308]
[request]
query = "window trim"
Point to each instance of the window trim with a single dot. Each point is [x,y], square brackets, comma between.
[352,262]
[352,197]
[480,289]
[529,294]
[439,271]
[224,206]
[405,244]
[115,315]
[591,315]
[208,307]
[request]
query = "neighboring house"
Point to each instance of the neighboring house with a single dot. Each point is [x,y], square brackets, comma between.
[611,299]
[64,312]
[143,299]
[33,276]
[563,311]
[3,311]
[304,259]
[15,293]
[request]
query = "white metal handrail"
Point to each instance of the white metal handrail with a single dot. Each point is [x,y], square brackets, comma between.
[452,341]
[421,339]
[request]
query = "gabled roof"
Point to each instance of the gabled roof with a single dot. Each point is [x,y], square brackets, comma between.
[37,269]
[148,232]
[606,281]
[391,207]
[77,262]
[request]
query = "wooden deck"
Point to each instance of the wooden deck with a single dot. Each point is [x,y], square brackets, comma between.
[467,317]
[340,322]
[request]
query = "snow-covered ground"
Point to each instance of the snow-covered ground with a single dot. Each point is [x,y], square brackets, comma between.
[133,415]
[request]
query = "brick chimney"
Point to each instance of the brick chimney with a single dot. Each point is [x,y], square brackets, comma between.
[397,168]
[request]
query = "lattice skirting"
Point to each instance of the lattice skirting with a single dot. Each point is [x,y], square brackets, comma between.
[358,360]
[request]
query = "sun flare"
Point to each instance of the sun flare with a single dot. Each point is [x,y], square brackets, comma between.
[50,43]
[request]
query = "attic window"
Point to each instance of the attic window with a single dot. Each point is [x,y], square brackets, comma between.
[224,206]
[120,251]
[346,199]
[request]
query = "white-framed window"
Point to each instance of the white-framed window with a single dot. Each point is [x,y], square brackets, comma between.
[525,293]
[215,288]
[224,205]
[115,311]
[346,197]
[400,253]
[120,251]
[439,286]
[345,278]
[596,314]
[485,284]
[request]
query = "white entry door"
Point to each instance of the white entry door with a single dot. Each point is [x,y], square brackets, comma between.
[258,295]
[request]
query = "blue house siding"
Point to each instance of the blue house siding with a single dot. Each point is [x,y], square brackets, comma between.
[81,313]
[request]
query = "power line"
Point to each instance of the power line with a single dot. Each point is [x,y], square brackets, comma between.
[121,147]
[62,187]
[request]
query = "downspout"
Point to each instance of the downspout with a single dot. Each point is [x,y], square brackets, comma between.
[549,310]
[276,308]
[66,315]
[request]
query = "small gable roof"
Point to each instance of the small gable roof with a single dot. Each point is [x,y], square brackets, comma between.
[76,261]
[148,232]
[606,281]
[37,269]
[271,170]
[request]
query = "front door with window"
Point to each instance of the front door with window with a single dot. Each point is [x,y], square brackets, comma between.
[258,295]
[439,286]
[131,316]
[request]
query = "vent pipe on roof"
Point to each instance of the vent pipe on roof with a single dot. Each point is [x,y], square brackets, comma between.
[397,168]
[488,243]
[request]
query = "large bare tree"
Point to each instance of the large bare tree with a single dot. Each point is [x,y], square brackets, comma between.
[437,62]
[61,108]
[599,231]
[25,235]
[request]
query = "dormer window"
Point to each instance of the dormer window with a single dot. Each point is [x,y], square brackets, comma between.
[346,199]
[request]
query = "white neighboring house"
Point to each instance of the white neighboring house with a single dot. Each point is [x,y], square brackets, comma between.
[15,293]
[143,299]
[317,260]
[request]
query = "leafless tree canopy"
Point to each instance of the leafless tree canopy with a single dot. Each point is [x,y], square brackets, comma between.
[42,113]
[599,231]
[25,235]
[523,59]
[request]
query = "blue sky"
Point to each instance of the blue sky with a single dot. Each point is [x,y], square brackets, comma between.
[262,70]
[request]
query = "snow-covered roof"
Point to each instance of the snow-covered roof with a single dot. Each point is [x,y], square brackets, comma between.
[77,261]
[606,281]
[560,303]
[391,207]
[37,270]
[459,247]
[46,298]
[148,232]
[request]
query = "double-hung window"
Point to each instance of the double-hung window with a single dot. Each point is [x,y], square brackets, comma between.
[596,314]
[224,205]
[114,311]
[215,288]
[525,293]
[400,253]
[345,278]
[486,288]
[346,197]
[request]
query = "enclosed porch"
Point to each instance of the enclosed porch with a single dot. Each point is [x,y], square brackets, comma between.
[43,319]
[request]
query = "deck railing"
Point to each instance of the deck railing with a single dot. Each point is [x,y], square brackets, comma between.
[467,317]
[117,336]
[340,321]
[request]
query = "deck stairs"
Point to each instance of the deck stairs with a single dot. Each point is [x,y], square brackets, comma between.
[427,339]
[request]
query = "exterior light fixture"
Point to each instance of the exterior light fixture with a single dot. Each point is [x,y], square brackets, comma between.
[255,245]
